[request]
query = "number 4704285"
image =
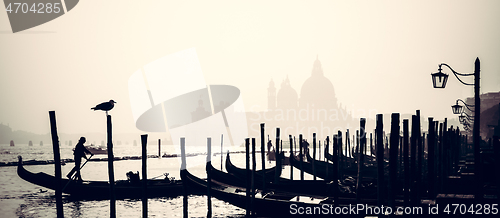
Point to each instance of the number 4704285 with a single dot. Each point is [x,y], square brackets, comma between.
[39,8]
[472,209]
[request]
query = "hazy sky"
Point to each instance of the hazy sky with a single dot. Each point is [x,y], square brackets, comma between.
[378,54]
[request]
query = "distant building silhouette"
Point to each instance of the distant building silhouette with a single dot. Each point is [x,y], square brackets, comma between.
[489,112]
[271,96]
[200,112]
[488,100]
[287,96]
[315,110]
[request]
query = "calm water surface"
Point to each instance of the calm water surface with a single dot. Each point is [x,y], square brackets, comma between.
[19,198]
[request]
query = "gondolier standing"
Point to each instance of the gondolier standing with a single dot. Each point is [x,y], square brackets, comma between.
[78,153]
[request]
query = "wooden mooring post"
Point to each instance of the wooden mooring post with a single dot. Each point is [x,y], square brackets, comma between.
[420,166]
[413,160]
[263,155]
[447,160]
[358,151]
[111,173]
[221,150]
[290,157]
[360,157]
[314,156]
[301,157]
[144,141]
[371,145]
[159,148]
[185,213]
[252,184]
[380,160]
[419,157]
[209,177]
[400,168]
[430,159]
[341,159]
[393,159]
[441,158]
[57,163]
[349,147]
[406,162]
[326,151]
[278,157]
[335,172]
[247,178]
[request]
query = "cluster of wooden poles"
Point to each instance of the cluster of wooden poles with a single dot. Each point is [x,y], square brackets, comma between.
[420,165]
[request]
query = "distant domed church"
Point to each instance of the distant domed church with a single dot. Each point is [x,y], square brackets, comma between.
[316,108]
[317,92]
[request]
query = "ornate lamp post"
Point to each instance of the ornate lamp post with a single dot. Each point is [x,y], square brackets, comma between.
[439,80]
[458,109]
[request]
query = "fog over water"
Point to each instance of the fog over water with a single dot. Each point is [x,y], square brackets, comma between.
[378,55]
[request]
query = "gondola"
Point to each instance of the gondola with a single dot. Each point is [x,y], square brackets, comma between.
[124,189]
[369,163]
[306,187]
[262,205]
[322,169]
[269,173]
[347,159]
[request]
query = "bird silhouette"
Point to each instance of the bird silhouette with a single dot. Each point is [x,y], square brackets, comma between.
[105,106]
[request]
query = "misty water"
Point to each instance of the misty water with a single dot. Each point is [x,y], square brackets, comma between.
[19,198]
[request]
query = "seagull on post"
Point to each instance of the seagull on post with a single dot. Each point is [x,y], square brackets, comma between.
[105,106]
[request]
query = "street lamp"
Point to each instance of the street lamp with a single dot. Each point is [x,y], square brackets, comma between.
[439,80]
[458,109]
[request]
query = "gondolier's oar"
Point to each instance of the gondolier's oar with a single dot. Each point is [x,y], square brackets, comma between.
[71,175]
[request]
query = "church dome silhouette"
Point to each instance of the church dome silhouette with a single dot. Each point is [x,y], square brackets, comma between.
[317,91]
[287,97]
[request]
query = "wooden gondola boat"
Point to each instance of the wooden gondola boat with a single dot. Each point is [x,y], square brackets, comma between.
[124,189]
[306,187]
[262,205]
[324,169]
[370,164]
[347,159]
[226,178]
[269,173]
[321,169]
